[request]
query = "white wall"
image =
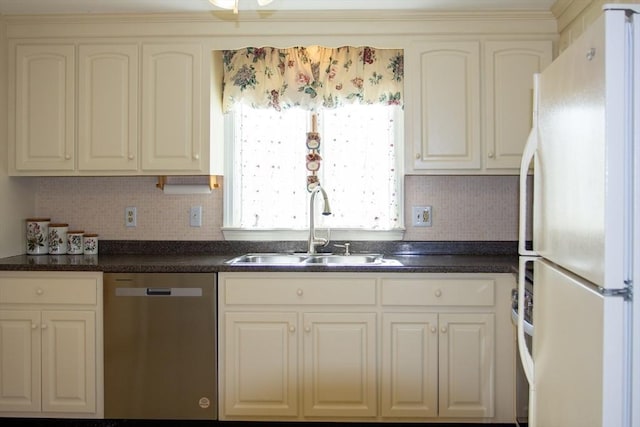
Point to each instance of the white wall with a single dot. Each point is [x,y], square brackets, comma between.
[464,208]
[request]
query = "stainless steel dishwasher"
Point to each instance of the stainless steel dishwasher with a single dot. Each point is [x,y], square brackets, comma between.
[160,346]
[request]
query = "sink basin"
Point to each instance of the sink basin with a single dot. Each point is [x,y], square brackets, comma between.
[345,259]
[268,259]
[284,259]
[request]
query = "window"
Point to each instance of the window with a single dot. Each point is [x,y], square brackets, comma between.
[270,96]
[266,185]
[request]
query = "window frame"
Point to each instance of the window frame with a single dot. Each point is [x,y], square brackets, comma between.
[231,232]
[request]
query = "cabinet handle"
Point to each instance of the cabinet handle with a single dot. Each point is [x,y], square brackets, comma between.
[443,329]
[39,291]
[434,329]
[438,293]
[299,292]
[131,157]
[43,326]
[418,156]
[292,329]
[34,326]
[307,329]
[491,154]
[67,157]
[196,157]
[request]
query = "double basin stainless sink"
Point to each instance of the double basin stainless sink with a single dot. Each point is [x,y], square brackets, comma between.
[294,259]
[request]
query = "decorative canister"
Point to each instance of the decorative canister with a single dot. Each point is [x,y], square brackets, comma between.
[74,242]
[58,239]
[90,243]
[38,236]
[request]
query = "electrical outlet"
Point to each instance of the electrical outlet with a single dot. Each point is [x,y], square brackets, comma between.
[195,216]
[421,216]
[130,216]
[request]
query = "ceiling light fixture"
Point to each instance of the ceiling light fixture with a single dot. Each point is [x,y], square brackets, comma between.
[233,4]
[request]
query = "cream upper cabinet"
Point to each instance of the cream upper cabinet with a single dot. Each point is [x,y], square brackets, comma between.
[142,109]
[51,344]
[469,104]
[108,107]
[444,104]
[172,134]
[43,125]
[509,67]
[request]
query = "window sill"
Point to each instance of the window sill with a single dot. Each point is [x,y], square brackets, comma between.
[296,235]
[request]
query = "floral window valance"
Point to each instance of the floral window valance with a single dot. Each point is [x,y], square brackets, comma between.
[312,77]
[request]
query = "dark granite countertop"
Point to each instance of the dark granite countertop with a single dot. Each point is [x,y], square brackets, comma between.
[198,257]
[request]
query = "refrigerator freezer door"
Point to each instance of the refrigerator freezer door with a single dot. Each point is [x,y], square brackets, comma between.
[578,362]
[579,178]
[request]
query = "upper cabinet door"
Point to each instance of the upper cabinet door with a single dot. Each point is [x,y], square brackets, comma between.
[108,107]
[509,70]
[172,108]
[44,128]
[445,104]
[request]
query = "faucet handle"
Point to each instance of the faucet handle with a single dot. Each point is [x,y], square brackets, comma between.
[345,246]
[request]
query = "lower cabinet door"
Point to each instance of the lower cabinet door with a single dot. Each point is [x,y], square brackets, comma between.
[340,365]
[260,368]
[466,348]
[19,361]
[409,365]
[68,361]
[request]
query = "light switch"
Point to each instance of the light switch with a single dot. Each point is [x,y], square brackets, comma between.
[195,216]
[421,216]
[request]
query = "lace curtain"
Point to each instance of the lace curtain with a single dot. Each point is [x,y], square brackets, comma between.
[312,77]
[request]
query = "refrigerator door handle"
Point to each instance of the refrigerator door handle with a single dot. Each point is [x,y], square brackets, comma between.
[527,157]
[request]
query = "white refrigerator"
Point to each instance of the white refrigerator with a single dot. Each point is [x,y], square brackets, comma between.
[584,365]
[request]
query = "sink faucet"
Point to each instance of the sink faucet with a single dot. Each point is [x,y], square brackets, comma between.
[313,239]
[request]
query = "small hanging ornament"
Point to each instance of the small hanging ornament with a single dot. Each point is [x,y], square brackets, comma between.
[313,158]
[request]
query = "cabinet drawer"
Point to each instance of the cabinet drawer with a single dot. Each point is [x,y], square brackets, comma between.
[48,290]
[438,292]
[275,291]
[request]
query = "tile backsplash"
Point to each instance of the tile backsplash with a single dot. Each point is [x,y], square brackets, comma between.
[463,208]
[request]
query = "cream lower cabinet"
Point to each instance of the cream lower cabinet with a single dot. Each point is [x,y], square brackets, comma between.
[365,346]
[437,365]
[51,344]
[297,346]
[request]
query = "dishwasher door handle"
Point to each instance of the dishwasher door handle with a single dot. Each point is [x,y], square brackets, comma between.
[158,292]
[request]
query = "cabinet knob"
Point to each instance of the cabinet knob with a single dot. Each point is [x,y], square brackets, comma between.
[131,157]
[67,156]
[307,329]
[434,329]
[196,157]
[292,329]
[34,326]
[443,329]
[39,291]
[299,292]
[43,326]
[491,154]
[418,156]
[438,293]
